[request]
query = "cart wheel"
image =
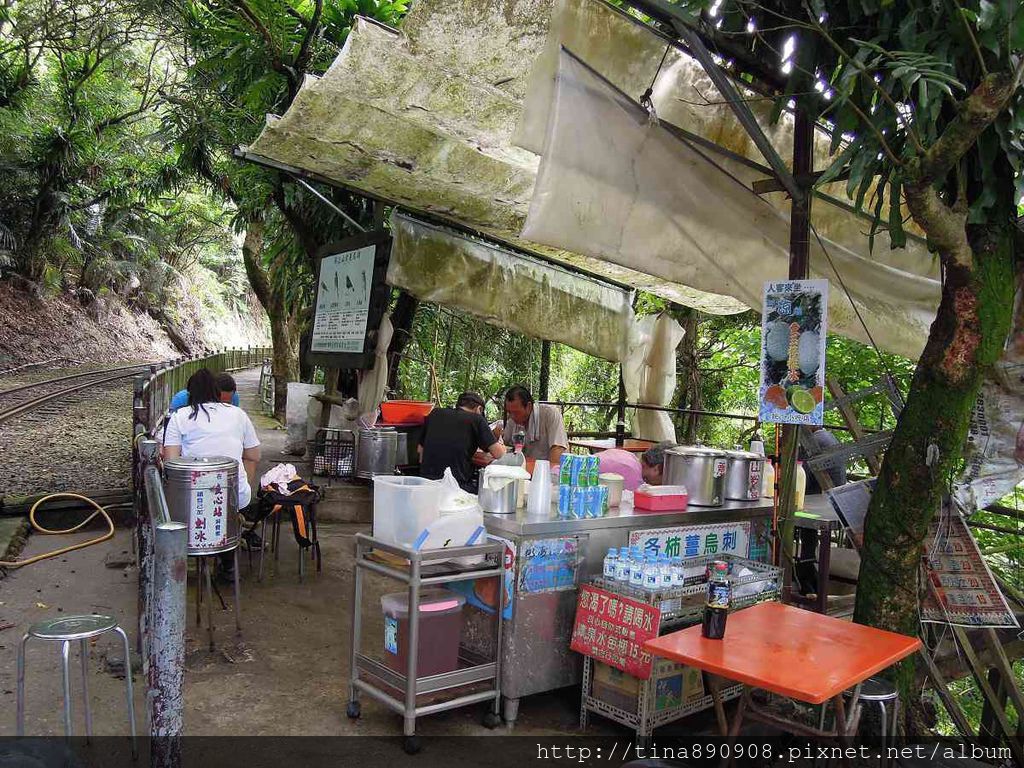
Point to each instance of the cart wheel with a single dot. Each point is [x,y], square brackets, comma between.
[411,745]
[354,710]
[491,720]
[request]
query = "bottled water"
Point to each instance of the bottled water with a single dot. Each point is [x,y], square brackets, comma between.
[623,567]
[636,578]
[665,572]
[611,559]
[678,574]
[652,574]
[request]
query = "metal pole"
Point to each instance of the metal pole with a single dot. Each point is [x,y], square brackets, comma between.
[165,697]
[620,406]
[799,263]
[545,368]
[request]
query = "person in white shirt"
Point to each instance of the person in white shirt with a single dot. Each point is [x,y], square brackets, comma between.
[209,427]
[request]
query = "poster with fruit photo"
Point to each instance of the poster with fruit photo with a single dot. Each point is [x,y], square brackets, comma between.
[793,328]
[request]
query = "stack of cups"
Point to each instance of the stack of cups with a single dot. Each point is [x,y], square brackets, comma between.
[538,503]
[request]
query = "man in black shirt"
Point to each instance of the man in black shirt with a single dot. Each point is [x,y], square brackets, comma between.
[452,435]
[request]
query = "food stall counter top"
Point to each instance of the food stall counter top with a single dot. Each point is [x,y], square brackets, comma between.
[624,517]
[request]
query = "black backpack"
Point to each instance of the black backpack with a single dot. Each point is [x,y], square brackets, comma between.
[300,501]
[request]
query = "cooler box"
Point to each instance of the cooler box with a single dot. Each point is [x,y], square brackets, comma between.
[440,631]
[660,498]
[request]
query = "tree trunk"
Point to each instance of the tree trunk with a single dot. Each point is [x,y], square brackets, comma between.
[687,394]
[283,326]
[965,340]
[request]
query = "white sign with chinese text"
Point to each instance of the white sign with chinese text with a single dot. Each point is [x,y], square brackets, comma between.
[207,510]
[695,540]
[343,301]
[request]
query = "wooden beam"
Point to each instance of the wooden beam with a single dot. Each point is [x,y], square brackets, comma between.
[956,714]
[1006,669]
[1008,732]
[874,464]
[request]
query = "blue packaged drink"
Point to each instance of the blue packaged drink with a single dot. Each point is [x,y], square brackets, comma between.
[576,472]
[603,505]
[577,503]
[593,501]
[564,499]
[593,470]
[565,469]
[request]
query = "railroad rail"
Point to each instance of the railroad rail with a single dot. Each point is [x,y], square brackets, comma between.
[28,399]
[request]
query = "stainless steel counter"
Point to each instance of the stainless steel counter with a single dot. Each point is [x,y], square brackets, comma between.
[535,654]
[624,517]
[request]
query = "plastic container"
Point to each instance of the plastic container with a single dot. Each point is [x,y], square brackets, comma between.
[660,498]
[538,502]
[403,507]
[801,485]
[404,411]
[768,481]
[616,484]
[440,631]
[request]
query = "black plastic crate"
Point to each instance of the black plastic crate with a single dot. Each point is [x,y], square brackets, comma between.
[334,453]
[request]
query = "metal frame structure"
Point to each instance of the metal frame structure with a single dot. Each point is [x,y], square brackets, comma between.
[373,678]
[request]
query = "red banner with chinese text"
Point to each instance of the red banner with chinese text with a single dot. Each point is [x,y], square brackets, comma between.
[613,629]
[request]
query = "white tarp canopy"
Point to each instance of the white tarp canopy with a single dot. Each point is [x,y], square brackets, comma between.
[510,290]
[428,118]
[617,186]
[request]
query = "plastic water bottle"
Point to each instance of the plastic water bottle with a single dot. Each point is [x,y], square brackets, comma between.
[623,567]
[610,561]
[652,574]
[665,572]
[678,574]
[636,578]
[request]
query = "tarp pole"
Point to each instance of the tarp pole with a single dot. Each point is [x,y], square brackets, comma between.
[799,260]
[545,368]
[620,421]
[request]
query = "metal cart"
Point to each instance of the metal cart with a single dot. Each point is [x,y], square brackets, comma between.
[682,606]
[420,569]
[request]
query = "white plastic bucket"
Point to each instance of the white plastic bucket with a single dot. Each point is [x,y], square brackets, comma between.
[403,507]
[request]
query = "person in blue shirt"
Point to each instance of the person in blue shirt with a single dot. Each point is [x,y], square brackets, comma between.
[225,385]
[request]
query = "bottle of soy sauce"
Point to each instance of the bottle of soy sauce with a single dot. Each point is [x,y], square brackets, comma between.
[716,609]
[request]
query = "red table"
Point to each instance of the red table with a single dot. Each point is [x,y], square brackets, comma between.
[791,652]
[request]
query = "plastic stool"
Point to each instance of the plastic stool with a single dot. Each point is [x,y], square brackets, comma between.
[66,630]
[880,690]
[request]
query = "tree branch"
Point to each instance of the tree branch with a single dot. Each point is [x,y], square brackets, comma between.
[974,40]
[312,27]
[976,113]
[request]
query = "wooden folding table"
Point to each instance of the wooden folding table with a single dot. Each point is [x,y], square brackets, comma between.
[791,652]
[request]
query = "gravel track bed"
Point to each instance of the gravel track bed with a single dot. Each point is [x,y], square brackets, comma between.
[84,443]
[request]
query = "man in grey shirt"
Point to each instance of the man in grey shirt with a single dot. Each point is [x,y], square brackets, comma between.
[541,425]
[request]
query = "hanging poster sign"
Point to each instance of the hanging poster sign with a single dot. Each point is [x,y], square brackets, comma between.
[207,509]
[961,588]
[793,330]
[548,565]
[351,296]
[613,629]
[995,442]
[694,540]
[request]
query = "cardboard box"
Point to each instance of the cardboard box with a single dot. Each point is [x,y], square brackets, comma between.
[675,685]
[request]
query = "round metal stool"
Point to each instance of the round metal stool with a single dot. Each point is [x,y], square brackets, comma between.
[877,689]
[66,630]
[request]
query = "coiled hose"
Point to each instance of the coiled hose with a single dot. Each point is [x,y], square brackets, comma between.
[99,510]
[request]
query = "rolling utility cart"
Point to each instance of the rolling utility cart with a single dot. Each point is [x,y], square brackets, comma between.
[673,690]
[456,677]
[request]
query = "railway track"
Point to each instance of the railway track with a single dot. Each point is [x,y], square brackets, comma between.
[44,398]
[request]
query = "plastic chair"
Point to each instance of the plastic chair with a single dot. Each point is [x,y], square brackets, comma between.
[880,690]
[66,630]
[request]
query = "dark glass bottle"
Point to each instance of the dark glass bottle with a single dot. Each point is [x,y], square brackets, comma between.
[716,609]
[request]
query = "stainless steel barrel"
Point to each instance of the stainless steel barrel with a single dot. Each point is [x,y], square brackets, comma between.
[377,452]
[702,470]
[203,494]
[743,479]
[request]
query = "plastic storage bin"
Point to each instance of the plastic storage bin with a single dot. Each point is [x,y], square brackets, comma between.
[440,631]
[403,507]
